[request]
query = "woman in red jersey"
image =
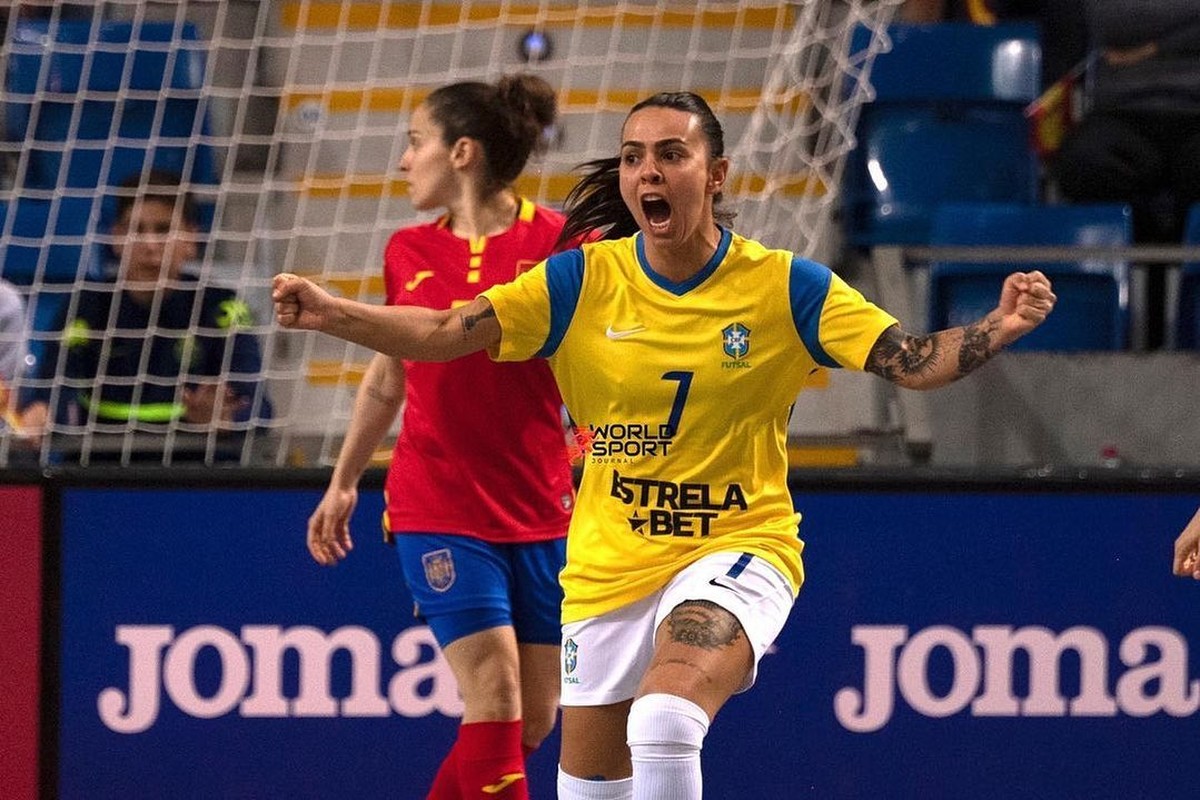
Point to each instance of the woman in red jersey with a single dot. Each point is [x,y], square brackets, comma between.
[479,491]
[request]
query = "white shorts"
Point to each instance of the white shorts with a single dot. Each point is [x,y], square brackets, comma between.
[605,657]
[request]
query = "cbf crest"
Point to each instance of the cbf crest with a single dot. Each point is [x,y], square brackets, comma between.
[570,654]
[735,340]
[439,569]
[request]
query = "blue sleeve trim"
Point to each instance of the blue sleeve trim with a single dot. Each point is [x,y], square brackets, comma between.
[564,280]
[808,286]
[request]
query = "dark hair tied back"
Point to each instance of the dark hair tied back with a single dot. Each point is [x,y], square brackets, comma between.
[508,119]
[595,203]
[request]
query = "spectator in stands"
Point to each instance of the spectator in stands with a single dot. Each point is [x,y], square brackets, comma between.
[1187,550]
[14,334]
[479,492]
[1139,141]
[680,347]
[156,347]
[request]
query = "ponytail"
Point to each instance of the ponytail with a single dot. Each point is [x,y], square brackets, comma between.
[508,119]
[595,203]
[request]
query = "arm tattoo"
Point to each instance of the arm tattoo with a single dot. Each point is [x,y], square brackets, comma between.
[976,346]
[703,624]
[897,355]
[469,321]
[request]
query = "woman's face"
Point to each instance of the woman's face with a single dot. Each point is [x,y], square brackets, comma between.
[150,244]
[668,177]
[426,163]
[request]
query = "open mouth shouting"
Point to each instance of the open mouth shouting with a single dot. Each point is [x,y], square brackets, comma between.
[657,212]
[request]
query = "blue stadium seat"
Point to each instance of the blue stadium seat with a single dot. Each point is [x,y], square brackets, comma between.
[1092,312]
[947,125]
[159,69]
[60,230]
[1187,321]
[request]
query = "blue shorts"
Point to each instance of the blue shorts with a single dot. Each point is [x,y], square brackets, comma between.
[462,585]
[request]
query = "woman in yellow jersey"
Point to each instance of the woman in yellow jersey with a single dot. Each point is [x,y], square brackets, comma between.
[679,348]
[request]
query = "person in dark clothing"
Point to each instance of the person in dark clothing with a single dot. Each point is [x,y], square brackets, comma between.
[1139,141]
[156,347]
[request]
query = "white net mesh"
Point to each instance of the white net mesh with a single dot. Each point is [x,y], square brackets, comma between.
[285,120]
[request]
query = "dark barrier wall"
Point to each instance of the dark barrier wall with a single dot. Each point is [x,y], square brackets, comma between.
[952,641]
[20,633]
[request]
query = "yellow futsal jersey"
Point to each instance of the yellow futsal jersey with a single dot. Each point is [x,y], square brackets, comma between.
[680,394]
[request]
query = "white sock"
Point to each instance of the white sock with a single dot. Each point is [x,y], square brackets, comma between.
[665,733]
[572,788]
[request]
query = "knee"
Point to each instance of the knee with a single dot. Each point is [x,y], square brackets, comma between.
[537,724]
[492,690]
[665,727]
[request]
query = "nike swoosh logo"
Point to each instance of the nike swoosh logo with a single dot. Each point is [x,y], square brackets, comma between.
[417,280]
[713,582]
[615,335]
[504,782]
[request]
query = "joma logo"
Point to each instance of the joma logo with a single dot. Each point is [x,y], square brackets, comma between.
[159,660]
[1156,678]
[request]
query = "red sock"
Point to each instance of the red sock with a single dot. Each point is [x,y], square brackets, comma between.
[445,783]
[490,763]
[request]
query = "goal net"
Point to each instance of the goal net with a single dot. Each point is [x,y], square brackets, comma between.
[285,122]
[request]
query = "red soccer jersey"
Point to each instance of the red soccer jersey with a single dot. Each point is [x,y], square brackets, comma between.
[482,450]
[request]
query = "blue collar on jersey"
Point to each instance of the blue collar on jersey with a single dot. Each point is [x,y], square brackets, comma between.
[683,287]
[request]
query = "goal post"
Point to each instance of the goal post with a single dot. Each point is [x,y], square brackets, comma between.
[286,120]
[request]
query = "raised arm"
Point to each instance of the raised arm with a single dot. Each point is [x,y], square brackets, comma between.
[1187,550]
[936,359]
[408,332]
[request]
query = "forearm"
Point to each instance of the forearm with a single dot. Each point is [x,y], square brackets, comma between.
[413,332]
[936,359]
[379,398]
[409,332]
[397,331]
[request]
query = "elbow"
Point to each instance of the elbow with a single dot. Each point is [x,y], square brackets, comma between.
[433,350]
